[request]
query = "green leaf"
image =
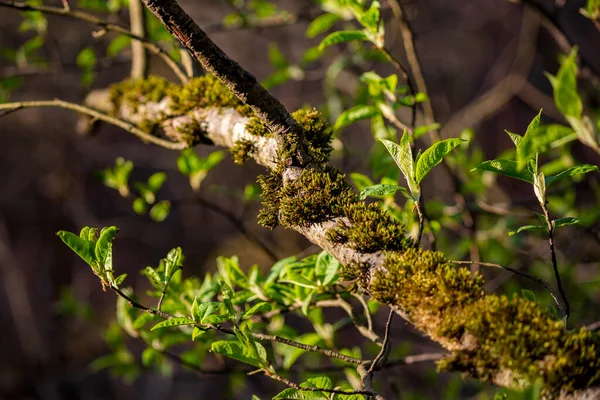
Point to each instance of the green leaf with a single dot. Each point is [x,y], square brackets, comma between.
[577,170]
[566,221]
[103,248]
[238,351]
[119,279]
[299,280]
[321,24]
[528,228]
[529,295]
[203,310]
[354,114]
[82,247]
[156,181]
[421,130]
[402,155]
[326,268]
[278,267]
[566,98]
[361,181]
[516,138]
[433,156]
[160,211]
[506,167]
[342,37]
[319,382]
[227,296]
[117,45]
[381,190]
[276,57]
[175,321]
[139,206]
[257,308]
[526,150]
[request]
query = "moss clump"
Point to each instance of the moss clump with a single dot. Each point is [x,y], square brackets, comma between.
[490,334]
[131,92]
[242,151]
[317,133]
[271,186]
[255,127]
[516,334]
[317,194]
[371,229]
[424,281]
[205,91]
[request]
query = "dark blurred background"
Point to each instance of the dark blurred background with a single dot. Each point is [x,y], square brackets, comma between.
[468,49]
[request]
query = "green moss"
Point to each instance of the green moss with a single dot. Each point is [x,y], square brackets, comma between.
[424,281]
[317,133]
[133,91]
[271,186]
[205,91]
[242,151]
[255,127]
[371,229]
[517,334]
[317,194]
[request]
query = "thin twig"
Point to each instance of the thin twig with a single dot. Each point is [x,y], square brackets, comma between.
[385,348]
[515,271]
[238,223]
[137,305]
[566,309]
[313,389]
[137,23]
[10,107]
[292,343]
[92,19]
[413,62]
[593,327]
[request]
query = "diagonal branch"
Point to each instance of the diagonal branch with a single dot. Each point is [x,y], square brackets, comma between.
[241,83]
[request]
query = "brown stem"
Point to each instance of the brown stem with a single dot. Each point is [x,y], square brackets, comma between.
[385,348]
[566,308]
[137,23]
[146,137]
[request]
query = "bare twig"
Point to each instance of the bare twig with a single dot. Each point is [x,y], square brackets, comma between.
[83,16]
[413,62]
[137,305]
[563,296]
[515,271]
[11,107]
[385,348]
[137,23]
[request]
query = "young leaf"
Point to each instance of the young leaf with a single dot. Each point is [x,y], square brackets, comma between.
[402,155]
[257,308]
[342,37]
[175,321]
[354,114]
[516,138]
[381,190]
[565,87]
[119,279]
[527,148]
[326,268]
[506,167]
[527,228]
[321,24]
[156,181]
[276,57]
[361,181]
[421,130]
[82,247]
[433,156]
[238,351]
[318,381]
[566,221]
[577,170]
[203,310]
[529,295]
[103,248]
[160,211]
